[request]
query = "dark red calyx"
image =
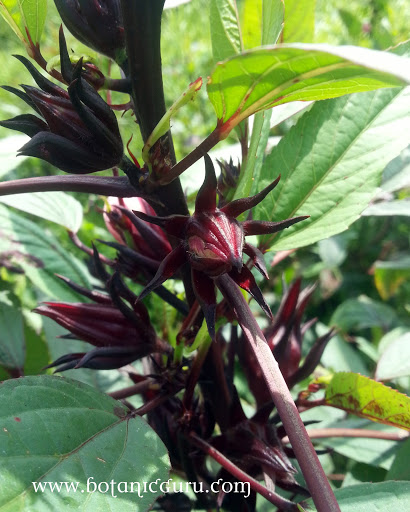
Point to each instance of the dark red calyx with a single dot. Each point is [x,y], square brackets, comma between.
[214,243]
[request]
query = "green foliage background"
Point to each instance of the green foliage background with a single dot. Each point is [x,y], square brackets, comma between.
[362,274]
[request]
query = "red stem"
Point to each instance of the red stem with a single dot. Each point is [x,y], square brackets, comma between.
[78,243]
[271,496]
[103,185]
[184,164]
[152,404]
[320,433]
[140,387]
[312,470]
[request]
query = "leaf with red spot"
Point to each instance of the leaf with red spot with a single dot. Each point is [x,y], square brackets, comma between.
[367,398]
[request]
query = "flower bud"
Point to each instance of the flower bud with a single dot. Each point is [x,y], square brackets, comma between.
[148,240]
[214,243]
[285,337]
[229,176]
[254,446]
[78,133]
[96,23]
[102,325]
[117,339]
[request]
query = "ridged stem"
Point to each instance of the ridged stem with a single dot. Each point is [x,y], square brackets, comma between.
[142,25]
[312,470]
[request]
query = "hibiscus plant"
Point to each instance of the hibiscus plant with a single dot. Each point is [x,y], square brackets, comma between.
[198,369]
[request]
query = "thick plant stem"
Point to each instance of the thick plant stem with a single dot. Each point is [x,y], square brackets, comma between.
[144,71]
[312,470]
[142,26]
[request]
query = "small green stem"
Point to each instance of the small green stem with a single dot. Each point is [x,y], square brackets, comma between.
[196,367]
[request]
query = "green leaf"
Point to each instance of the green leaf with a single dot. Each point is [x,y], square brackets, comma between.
[390,275]
[262,22]
[287,110]
[385,496]
[396,175]
[56,430]
[225,32]
[352,24]
[377,453]
[395,360]
[340,355]
[299,21]
[367,398]
[25,14]
[331,163]
[57,207]
[257,146]
[363,313]
[388,208]
[400,469]
[40,255]
[8,148]
[272,17]
[12,343]
[361,472]
[37,356]
[259,79]
[332,251]
[271,12]
[390,337]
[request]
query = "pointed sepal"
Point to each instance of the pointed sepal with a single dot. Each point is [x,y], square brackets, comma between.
[44,84]
[260,227]
[204,290]
[206,197]
[167,269]
[25,123]
[235,208]
[61,152]
[312,359]
[159,244]
[103,133]
[65,63]
[247,282]
[257,258]
[174,225]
